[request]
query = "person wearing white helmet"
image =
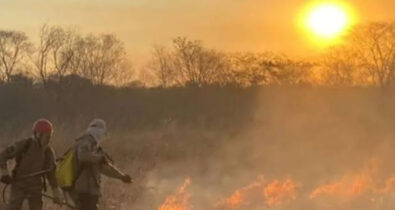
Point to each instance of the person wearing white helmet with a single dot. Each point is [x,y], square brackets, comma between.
[94,162]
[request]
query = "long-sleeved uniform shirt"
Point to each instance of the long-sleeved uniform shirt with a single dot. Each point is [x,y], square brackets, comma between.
[90,160]
[33,158]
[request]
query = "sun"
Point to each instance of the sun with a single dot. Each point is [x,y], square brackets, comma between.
[327,21]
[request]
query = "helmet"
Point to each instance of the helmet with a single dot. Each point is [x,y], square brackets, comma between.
[42,126]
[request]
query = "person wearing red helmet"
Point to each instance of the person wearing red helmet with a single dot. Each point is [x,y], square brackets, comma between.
[35,160]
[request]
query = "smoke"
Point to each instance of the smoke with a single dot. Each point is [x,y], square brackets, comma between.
[333,145]
[304,148]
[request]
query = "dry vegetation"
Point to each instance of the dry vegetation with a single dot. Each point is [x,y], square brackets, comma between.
[203,129]
[294,148]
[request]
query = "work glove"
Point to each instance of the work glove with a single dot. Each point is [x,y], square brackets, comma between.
[126,179]
[6,179]
[57,196]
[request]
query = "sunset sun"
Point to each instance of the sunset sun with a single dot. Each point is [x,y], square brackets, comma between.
[327,21]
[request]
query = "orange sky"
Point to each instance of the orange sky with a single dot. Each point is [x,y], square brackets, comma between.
[231,25]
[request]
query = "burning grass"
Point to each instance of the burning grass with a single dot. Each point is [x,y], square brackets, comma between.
[179,200]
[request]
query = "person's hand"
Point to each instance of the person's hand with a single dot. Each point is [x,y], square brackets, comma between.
[127,179]
[6,179]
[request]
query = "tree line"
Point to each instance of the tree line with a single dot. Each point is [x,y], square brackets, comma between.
[366,57]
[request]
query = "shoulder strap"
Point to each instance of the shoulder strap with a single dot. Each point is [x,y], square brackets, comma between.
[26,146]
[47,155]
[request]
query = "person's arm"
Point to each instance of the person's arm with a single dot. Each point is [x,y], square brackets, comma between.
[110,170]
[51,167]
[9,153]
[51,175]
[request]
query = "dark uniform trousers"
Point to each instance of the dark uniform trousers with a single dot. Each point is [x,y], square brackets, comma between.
[18,195]
[87,201]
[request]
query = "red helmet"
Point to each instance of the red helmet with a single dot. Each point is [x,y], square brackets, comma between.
[42,126]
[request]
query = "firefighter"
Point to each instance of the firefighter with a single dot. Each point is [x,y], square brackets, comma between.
[35,163]
[93,162]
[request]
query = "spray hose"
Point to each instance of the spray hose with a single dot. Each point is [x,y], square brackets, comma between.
[4,191]
[39,173]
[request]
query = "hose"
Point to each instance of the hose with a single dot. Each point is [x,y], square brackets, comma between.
[4,191]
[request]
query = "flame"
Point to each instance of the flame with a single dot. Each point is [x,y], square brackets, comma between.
[262,193]
[277,192]
[346,187]
[237,198]
[389,187]
[179,200]
[350,186]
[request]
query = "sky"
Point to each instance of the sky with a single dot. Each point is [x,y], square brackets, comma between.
[228,25]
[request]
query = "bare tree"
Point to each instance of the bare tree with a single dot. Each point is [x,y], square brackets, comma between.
[124,74]
[42,55]
[14,46]
[162,66]
[248,69]
[341,66]
[102,59]
[375,45]
[187,62]
[147,77]
[113,55]
[196,65]
[288,72]
[53,57]
[63,51]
